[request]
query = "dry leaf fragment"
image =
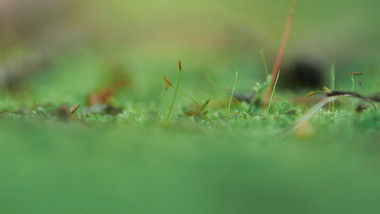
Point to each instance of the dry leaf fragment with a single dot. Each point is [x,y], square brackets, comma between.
[102,97]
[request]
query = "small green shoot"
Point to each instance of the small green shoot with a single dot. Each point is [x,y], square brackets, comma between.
[199,108]
[253,103]
[168,83]
[312,93]
[332,71]
[212,82]
[176,89]
[232,94]
[205,104]
[259,88]
[273,91]
[241,106]
[332,105]
[264,60]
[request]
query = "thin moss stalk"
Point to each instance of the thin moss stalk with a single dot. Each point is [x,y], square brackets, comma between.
[161,98]
[264,60]
[281,51]
[176,88]
[232,94]
[273,91]
[332,84]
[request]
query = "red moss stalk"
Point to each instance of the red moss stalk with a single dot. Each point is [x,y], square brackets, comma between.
[281,51]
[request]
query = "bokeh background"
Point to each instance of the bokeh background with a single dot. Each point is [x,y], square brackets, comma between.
[148,37]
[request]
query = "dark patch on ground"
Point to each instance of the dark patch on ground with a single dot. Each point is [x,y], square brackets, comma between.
[302,73]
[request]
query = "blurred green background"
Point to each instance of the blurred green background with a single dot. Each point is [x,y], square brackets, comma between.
[148,37]
[55,52]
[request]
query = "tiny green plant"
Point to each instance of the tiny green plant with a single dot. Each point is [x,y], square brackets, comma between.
[259,88]
[273,91]
[212,82]
[232,94]
[176,89]
[241,106]
[332,71]
[168,83]
[199,108]
[264,60]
